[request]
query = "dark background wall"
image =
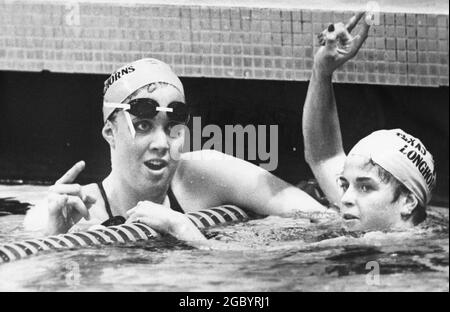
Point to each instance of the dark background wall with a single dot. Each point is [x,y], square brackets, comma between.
[48,121]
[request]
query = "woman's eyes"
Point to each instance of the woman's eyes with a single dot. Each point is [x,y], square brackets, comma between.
[143,126]
[343,185]
[366,188]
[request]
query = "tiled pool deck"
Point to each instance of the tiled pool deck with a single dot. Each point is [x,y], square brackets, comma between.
[226,39]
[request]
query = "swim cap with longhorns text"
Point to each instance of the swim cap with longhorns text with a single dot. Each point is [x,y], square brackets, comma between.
[133,76]
[402,155]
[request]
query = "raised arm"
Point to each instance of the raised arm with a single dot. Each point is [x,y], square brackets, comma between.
[321,128]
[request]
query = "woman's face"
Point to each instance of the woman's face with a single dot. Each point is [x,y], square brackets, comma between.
[367,201]
[151,158]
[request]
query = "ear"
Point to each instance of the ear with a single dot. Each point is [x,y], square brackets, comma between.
[108,133]
[408,203]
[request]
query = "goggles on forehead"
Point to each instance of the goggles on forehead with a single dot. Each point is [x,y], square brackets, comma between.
[146,108]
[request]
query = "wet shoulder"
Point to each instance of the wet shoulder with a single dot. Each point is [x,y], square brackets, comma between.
[208,166]
[198,182]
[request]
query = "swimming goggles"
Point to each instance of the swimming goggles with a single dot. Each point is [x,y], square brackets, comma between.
[145,108]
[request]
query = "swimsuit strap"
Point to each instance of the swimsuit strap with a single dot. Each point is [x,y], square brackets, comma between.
[174,204]
[105,199]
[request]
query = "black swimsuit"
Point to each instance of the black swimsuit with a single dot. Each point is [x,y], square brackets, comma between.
[174,204]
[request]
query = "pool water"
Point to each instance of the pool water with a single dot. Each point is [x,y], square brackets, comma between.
[270,254]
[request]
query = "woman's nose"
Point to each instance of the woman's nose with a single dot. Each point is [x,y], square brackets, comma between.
[349,208]
[348,198]
[159,141]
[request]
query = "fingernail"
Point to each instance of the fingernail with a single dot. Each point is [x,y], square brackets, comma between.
[331,28]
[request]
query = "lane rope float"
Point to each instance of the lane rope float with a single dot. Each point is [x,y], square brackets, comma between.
[124,233]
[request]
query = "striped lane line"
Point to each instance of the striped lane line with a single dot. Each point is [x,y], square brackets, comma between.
[17,251]
[79,240]
[101,238]
[214,219]
[28,248]
[89,239]
[62,239]
[139,233]
[204,218]
[51,243]
[112,234]
[39,243]
[220,218]
[7,255]
[148,231]
[122,233]
[238,212]
[120,230]
[105,238]
[228,213]
[224,213]
[196,221]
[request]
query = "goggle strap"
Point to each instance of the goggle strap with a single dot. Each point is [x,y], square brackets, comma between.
[130,124]
[116,105]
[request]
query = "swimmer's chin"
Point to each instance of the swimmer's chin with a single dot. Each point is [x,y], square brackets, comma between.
[358,226]
[352,225]
[319,217]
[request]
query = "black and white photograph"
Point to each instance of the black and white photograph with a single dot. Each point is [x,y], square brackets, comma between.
[224,151]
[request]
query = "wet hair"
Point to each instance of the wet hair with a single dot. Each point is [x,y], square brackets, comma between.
[150,88]
[418,214]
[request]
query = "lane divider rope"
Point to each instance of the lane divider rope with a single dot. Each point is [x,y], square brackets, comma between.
[123,233]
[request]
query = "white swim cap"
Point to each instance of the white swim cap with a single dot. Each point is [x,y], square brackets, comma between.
[402,155]
[133,76]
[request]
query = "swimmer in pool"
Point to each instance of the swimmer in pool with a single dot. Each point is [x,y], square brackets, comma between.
[151,180]
[385,181]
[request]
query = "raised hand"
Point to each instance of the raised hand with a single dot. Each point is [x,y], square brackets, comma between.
[67,203]
[338,45]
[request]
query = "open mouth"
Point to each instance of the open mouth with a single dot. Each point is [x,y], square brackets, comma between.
[349,216]
[351,222]
[156,164]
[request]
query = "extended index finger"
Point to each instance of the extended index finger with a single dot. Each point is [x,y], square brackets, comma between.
[353,21]
[72,173]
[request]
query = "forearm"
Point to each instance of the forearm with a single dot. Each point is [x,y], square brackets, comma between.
[321,128]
